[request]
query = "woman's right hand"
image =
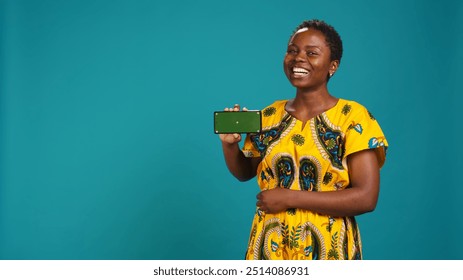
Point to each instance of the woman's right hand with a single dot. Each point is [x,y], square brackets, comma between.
[232,138]
[242,167]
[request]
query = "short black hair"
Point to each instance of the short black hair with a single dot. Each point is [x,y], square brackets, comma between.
[331,36]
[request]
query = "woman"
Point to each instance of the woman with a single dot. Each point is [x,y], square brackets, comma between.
[317,159]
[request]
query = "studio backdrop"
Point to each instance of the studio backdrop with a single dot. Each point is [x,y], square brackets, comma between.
[107,148]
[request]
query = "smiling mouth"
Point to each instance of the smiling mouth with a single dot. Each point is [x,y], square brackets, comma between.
[299,72]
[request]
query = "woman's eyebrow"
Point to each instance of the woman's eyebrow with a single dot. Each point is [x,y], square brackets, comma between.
[306,47]
[313,46]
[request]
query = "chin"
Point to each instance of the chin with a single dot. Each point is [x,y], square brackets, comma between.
[299,84]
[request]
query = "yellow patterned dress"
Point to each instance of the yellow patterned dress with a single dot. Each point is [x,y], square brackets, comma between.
[309,158]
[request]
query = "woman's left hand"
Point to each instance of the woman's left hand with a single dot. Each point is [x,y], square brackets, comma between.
[274,200]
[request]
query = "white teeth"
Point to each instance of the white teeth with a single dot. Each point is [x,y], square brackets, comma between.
[300,70]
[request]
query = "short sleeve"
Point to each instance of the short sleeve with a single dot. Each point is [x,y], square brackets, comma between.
[364,132]
[249,148]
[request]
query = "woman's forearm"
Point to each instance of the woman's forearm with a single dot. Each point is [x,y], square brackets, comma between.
[360,197]
[348,202]
[241,167]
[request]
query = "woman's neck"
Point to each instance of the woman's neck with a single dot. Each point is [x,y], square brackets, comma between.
[307,105]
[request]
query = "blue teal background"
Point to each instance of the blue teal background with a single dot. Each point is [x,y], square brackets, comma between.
[106,142]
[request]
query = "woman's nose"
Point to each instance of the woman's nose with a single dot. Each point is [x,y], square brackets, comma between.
[300,56]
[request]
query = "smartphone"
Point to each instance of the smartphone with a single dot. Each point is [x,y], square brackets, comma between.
[237,122]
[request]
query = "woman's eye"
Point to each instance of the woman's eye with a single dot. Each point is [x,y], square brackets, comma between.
[311,53]
[291,51]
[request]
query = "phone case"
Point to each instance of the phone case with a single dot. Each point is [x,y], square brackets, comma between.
[237,122]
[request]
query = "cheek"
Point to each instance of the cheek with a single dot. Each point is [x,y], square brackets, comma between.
[285,64]
[317,62]
[286,60]
[320,65]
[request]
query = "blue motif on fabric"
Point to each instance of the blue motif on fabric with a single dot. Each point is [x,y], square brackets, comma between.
[358,128]
[315,247]
[266,175]
[262,176]
[308,250]
[331,141]
[375,143]
[308,175]
[285,171]
[274,246]
[263,140]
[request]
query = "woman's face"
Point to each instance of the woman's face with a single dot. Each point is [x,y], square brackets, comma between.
[307,63]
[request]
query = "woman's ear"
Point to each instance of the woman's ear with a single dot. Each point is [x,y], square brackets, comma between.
[334,67]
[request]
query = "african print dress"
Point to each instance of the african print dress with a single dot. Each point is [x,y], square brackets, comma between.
[310,158]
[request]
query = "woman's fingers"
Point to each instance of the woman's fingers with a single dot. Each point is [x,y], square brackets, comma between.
[237,107]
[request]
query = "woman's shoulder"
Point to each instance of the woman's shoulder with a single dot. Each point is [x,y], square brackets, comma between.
[273,113]
[349,113]
[351,103]
[351,107]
